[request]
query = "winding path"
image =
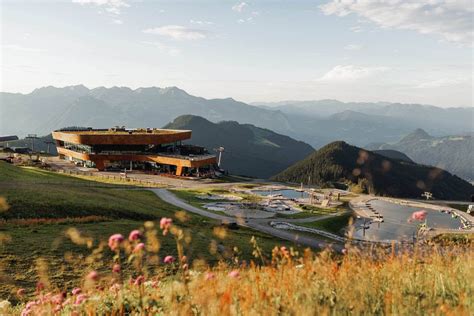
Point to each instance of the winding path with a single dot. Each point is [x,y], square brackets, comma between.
[260,225]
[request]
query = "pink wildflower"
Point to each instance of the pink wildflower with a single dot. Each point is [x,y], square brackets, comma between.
[168,259]
[114,241]
[419,215]
[344,251]
[80,299]
[234,274]
[57,299]
[139,280]
[76,291]
[165,224]
[28,308]
[116,268]
[40,286]
[135,235]
[93,276]
[139,247]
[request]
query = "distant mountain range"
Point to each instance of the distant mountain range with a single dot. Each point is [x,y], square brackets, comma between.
[315,122]
[369,172]
[453,153]
[249,150]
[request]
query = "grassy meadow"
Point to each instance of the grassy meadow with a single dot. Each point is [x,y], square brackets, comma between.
[74,247]
[43,206]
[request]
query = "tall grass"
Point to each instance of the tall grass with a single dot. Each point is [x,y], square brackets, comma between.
[428,279]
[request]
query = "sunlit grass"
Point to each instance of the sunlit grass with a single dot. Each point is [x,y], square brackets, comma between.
[155,279]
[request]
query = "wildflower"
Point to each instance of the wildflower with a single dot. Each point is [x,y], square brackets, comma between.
[165,224]
[139,280]
[76,291]
[419,215]
[20,292]
[284,252]
[93,276]
[139,247]
[80,299]
[57,299]
[344,251]
[210,276]
[152,284]
[168,259]
[234,274]
[135,235]
[116,268]
[115,241]
[28,308]
[40,286]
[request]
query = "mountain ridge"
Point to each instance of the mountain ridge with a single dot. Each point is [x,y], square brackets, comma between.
[49,108]
[454,153]
[372,173]
[249,150]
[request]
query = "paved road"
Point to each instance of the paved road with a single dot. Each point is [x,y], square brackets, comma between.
[260,225]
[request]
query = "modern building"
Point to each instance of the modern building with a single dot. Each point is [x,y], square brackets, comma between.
[144,148]
[8,138]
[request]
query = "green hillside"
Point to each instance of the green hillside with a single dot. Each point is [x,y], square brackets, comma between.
[35,193]
[249,150]
[373,173]
[43,206]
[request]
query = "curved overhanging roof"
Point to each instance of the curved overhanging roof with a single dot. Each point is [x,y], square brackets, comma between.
[122,136]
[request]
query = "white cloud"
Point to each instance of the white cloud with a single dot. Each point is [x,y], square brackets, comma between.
[353,47]
[240,7]
[199,22]
[356,29]
[444,82]
[117,21]
[249,19]
[450,19]
[111,6]
[172,51]
[351,72]
[23,49]
[178,32]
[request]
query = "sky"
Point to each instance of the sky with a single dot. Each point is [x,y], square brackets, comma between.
[252,51]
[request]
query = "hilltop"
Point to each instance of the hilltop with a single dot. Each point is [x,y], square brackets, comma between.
[249,150]
[454,153]
[373,173]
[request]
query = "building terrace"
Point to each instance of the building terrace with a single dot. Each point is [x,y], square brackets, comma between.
[143,148]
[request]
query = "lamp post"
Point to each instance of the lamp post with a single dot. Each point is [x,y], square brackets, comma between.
[32,137]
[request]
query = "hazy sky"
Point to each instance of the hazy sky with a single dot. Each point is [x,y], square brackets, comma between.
[400,51]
